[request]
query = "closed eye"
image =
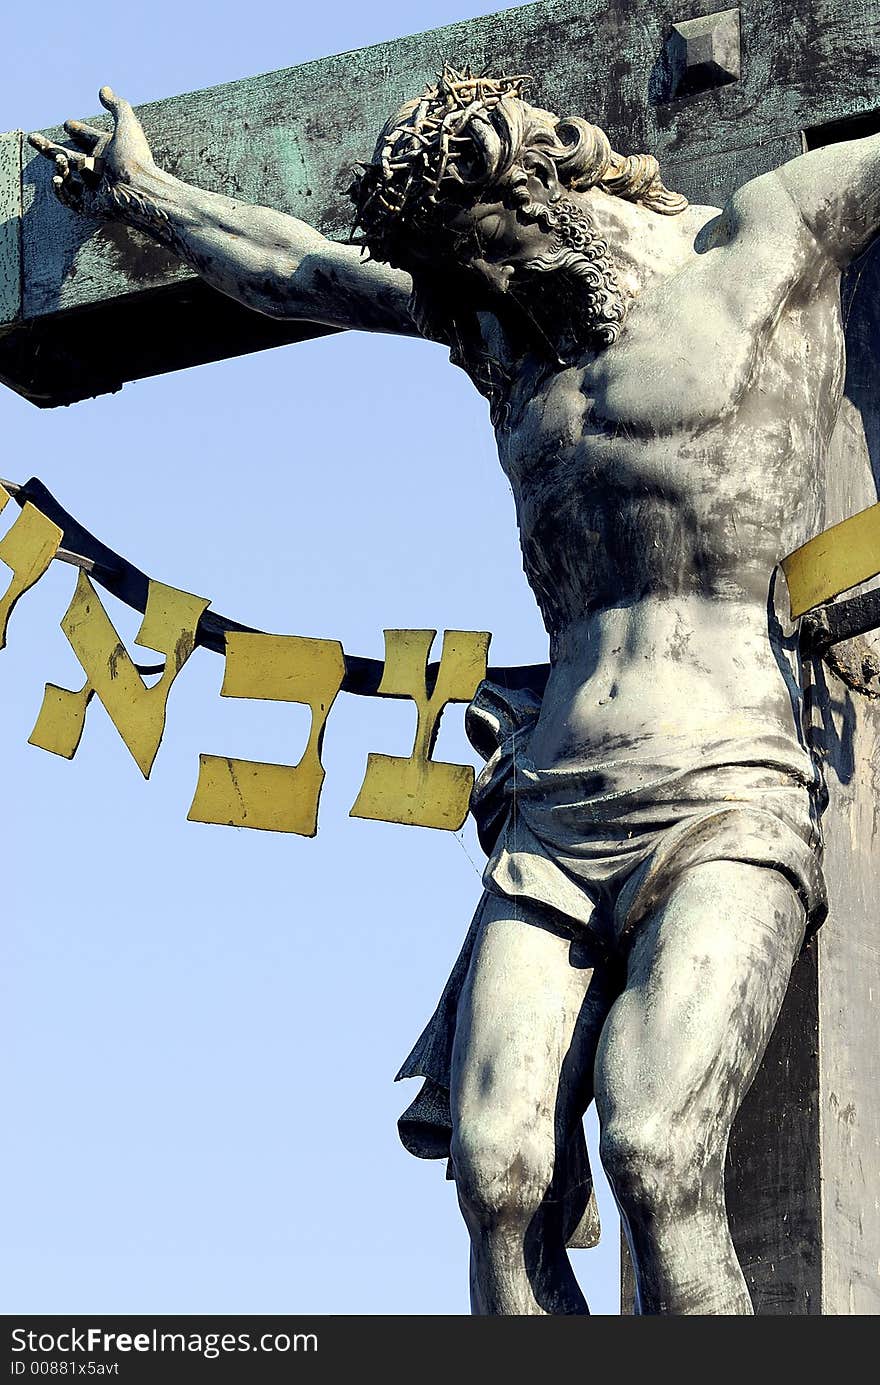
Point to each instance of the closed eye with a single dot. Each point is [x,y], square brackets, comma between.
[490,232]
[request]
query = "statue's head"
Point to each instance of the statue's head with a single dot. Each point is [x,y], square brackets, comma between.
[471,181]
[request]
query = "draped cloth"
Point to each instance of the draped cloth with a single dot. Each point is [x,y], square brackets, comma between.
[599,845]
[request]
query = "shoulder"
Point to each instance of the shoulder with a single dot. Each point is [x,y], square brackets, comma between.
[759,212]
[766,230]
[764,206]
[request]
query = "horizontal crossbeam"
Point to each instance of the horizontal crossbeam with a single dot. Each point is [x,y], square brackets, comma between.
[289,139]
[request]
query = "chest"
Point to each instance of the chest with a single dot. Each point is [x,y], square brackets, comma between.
[703,357]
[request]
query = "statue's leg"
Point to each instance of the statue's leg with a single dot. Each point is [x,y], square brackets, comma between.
[529,1018]
[706,978]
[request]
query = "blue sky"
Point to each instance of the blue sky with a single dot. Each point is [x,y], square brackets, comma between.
[201,1025]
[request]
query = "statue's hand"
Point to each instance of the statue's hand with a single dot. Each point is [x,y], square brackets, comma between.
[86,177]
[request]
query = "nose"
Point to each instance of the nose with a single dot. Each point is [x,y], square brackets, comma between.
[498,277]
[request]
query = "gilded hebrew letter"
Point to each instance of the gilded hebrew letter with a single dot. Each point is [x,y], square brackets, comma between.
[249,793]
[28,548]
[137,712]
[417,790]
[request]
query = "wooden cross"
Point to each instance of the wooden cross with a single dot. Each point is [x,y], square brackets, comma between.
[718,96]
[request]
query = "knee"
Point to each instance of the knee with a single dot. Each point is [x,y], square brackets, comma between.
[655,1169]
[502,1171]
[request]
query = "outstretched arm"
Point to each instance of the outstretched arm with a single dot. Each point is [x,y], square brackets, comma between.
[836,189]
[267,260]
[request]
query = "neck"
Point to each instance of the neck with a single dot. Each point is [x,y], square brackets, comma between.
[644,245]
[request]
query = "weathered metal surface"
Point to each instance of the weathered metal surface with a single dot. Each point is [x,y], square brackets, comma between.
[248,793]
[10,228]
[848,732]
[804,1156]
[289,139]
[848,1230]
[137,711]
[774,1163]
[773,1173]
[28,548]
[582,560]
[417,790]
[807,1142]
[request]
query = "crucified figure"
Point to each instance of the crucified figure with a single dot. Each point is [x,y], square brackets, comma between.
[663,380]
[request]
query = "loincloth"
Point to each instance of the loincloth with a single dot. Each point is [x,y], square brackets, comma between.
[598,847]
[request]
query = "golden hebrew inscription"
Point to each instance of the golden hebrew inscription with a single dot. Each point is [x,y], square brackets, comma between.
[417,790]
[137,712]
[28,548]
[412,789]
[249,793]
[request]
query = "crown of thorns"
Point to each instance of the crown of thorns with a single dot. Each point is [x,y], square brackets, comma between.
[461,135]
[423,150]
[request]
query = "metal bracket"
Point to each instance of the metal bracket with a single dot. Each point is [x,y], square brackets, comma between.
[703,53]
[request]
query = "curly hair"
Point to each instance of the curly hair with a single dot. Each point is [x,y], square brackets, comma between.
[463,136]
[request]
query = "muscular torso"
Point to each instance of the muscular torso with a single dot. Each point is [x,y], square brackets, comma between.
[658,484]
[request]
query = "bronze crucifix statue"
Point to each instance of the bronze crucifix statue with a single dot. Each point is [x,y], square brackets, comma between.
[663,381]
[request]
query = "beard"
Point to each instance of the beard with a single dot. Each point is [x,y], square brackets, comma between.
[572,290]
[566,301]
